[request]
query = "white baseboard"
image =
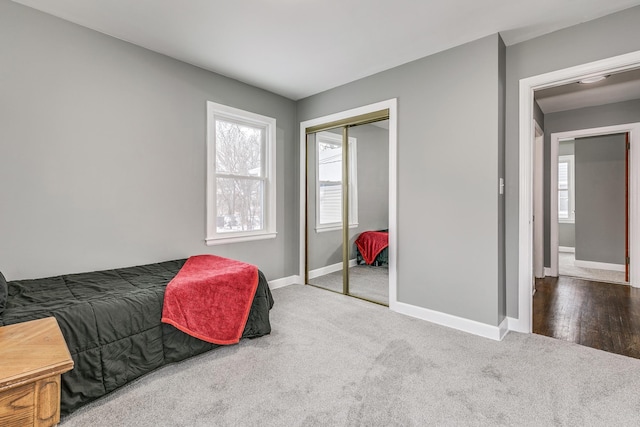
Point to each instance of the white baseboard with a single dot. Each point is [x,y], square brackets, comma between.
[567,249]
[455,322]
[547,271]
[330,269]
[503,328]
[285,281]
[599,265]
[517,325]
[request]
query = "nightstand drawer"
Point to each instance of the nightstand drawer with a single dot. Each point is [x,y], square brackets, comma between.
[17,406]
[33,355]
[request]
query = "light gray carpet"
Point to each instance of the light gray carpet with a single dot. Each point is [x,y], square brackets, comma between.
[364,281]
[567,267]
[332,360]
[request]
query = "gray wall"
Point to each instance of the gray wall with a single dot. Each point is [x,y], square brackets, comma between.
[566,148]
[325,248]
[566,231]
[583,118]
[448,167]
[102,153]
[538,115]
[567,235]
[600,198]
[609,36]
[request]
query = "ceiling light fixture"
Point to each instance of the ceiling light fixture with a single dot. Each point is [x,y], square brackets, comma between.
[594,79]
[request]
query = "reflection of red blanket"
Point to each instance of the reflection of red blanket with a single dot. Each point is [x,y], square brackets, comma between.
[210,298]
[371,243]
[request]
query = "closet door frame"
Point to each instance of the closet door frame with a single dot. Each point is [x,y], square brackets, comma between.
[345,119]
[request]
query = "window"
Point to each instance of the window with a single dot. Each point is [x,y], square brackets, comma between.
[241,191]
[329,182]
[566,189]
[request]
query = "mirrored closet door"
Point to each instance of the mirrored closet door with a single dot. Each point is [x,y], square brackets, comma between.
[347,209]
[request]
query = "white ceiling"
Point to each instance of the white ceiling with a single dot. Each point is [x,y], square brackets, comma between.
[297,48]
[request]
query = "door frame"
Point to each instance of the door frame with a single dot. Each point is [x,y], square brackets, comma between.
[523,323]
[538,203]
[392,106]
[630,129]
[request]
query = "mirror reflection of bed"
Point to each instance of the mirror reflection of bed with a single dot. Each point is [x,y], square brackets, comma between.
[368,211]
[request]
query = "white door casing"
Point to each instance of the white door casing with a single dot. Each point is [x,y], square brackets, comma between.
[538,203]
[634,169]
[523,323]
[392,105]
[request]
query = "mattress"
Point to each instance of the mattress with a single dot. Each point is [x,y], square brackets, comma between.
[111,323]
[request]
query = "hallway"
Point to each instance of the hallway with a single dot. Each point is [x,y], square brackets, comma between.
[567,267]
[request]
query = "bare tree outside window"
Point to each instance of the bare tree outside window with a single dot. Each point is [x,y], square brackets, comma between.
[240,176]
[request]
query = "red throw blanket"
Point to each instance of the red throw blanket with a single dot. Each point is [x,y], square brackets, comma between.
[371,243]
[210,298]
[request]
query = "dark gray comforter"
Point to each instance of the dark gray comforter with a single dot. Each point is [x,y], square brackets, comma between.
[111,323]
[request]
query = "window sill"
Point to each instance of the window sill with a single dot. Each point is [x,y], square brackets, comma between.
[235,238]
[322,229]
[567,221]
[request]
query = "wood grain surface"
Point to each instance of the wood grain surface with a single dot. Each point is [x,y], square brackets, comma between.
[605,316]
[32,357]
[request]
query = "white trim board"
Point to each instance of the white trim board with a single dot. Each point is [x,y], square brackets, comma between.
[471,326]
[599,265]
[392,105]
[330,269]
[525,243]
[515,324]
[285,281]
[538,201]
[567,249]
[634,167]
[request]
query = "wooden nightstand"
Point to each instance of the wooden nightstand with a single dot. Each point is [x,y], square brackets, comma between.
[32,357]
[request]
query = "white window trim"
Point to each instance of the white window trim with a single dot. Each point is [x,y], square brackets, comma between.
[215,111]
[334,138]
[570,159]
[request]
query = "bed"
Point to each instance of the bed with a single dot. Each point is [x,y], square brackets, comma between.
[111,323]
[373,248]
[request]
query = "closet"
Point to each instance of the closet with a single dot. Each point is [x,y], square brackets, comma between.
[347,206]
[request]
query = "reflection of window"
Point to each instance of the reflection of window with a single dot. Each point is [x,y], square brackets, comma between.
[329,179]
[566,189]
[240,175]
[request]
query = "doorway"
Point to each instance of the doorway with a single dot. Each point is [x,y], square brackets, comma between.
[348,202]
[526,166]
[589,216]
[581,300]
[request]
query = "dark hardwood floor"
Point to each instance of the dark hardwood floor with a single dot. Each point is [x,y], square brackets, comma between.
[598,315]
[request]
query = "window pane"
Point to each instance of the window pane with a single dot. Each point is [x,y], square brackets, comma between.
[330,198]
[329,162]
[329,191]
[330,182]
[563,175]
[238,149]
[240,204]
[563,204]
